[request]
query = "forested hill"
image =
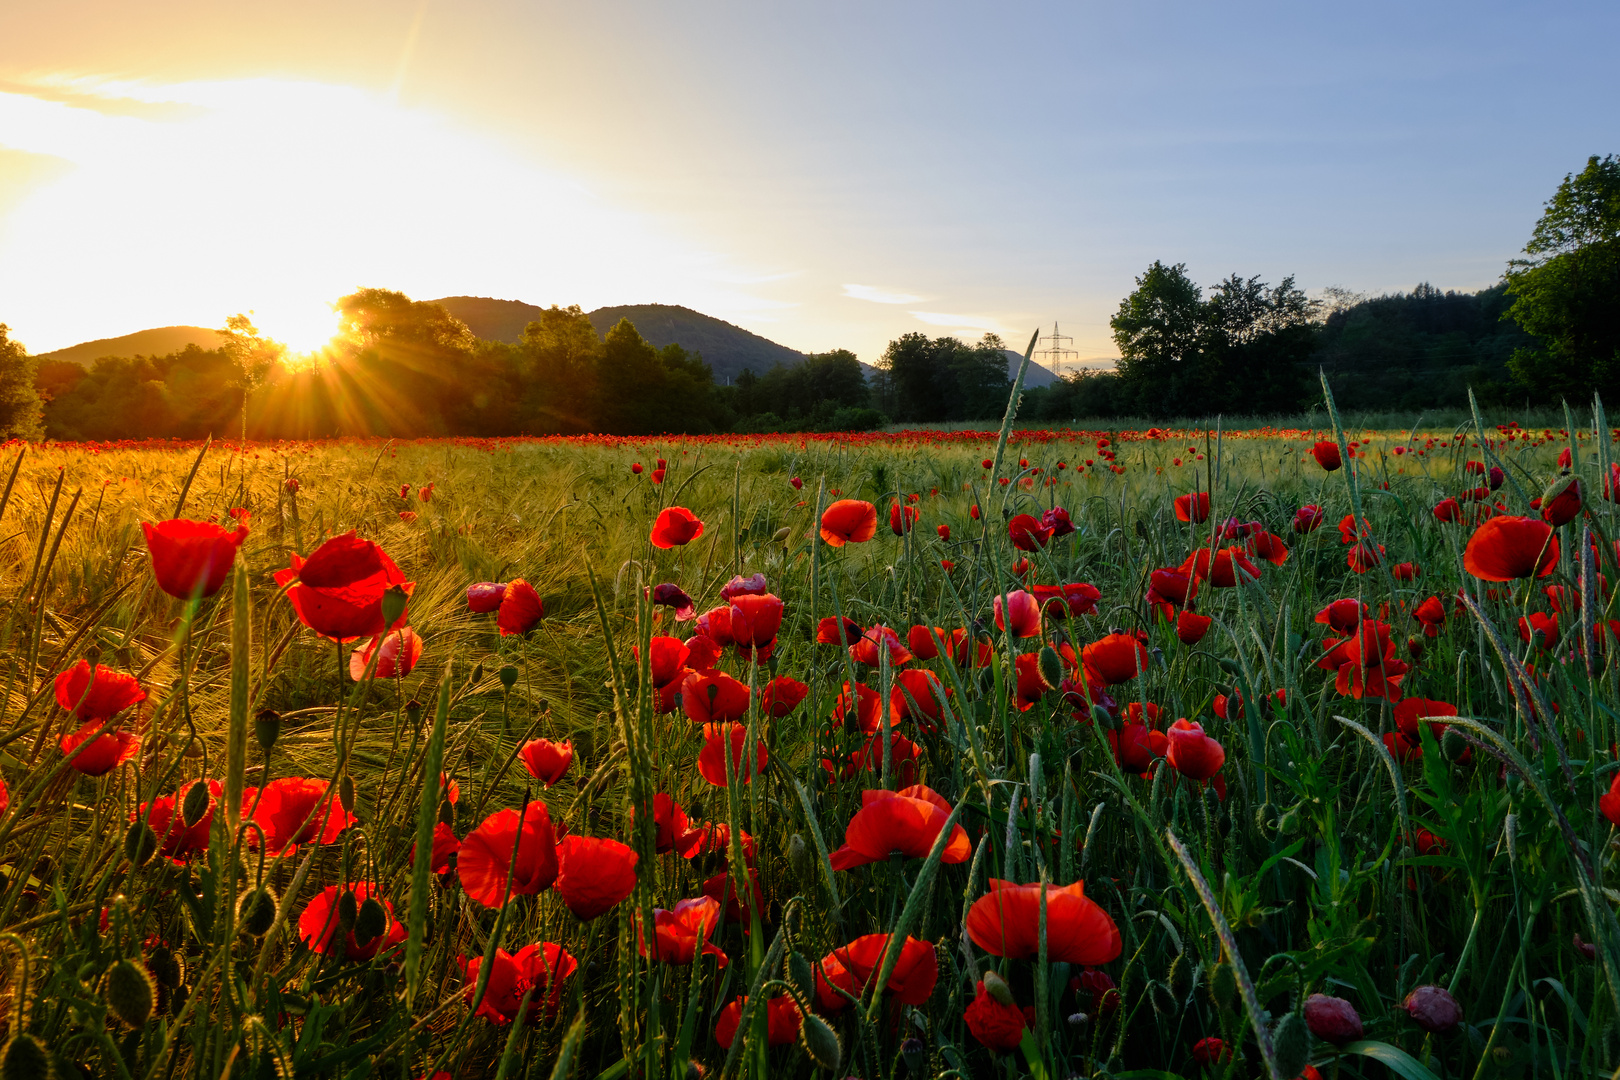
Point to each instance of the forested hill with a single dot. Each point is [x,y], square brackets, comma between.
[726,348]
[158,341]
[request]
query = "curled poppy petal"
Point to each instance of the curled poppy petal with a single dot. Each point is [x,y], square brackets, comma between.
[676,526]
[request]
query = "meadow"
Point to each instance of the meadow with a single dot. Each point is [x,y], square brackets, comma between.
[1129,753]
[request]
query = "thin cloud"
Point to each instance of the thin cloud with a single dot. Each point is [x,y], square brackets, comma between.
[958,322]
[879,296]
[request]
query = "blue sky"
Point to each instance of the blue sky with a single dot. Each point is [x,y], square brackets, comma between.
[828,175]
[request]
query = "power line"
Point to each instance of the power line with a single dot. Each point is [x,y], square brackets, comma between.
[1055,353]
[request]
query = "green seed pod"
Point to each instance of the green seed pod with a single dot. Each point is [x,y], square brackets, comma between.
[1178,977]
[25,1058]
[1292,1042]
[781,535]
[1292,820]
[508,676]
[130,993]
[1108,720]
[371,922]
[1051,666]
[820,1042]
[393,604]
[346,793]
[348,911]
[800,973]
[447,813]
[140,843]
[195,804]
[1230,666]
[256,910]
[165,967]
[1265,819]
[413,708]
[997,987]
[1223,985]
[267,728]
[1453,745]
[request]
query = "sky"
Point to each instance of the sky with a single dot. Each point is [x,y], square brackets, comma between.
[828,175]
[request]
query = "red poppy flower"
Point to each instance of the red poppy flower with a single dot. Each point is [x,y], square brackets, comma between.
[782,1022]
[1116,659]
[1540,628]
[944,531]
[904,822]
[715,624]
[1027,533]
[485,596]
[1192,753]
[1268,546]
[782,695]
[902,518]
[1609,804]
[1308,518]
[1134,747]
[998,1026]
[1030,685]
[849,521]
[669,821]
[679,932]
[973,511]
[829,631]
[545,760]
[711,760]
[865,651]
[752,585]
[400,651]
[658,475]
[1505,548]
[593,875]
[671,595]
[925,642]
[445,845]
[1058,521]
[1022,614]
[176,840]
[1211,1050]
[1561,502]
[485,863]
[1062,601]
[1366,663]
[96,693]
[712,838]
[1342,616]
[853,967]
[1191,628]
[713,697]
[192,558]
[1448,511]
[915,696]
[295,810]
[755,619]
[1006,922]
[1326,454]
[702,653]
[722,888]
[666,659]
[338,591]
[521,609]
[676,526]
[1193,507]
[868,706]
[1228,562]
[426,493]
[1432,614]
[1363,557]
[545,966]
[1170,585]
[903,755]
[1410,711]
[971,652]
[318,926]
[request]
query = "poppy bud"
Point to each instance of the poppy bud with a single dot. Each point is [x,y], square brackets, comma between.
[130,993]
[25,1058]
[413,708]
[1433,1009]
[1051,666]
[370,922]
[1291,1043]
[346,793]
[1108,720]
[267,728]
[447,812]
[820,1042]
[1291,821]
[1230,666]
[1223,985]
[694,1071]
[508,676]
[1332,1019]
[1453,745]
[781,535]
[195,804]
[997,988]
[799,859]
[256,910]
[1265,819]
[348,909]
[1414,648]
[393,605]
[800,973]
[140,843]
[164,966]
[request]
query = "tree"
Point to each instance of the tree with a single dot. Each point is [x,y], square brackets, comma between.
[557,369]
[19,400]
[1567,289]
[932,381]
[1158,329]
[253,355]
[404,367]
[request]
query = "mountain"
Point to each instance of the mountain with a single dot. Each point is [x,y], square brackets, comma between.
[160,341]
[1035,376]
[727,348]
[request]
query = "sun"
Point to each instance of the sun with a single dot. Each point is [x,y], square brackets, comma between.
[305,327]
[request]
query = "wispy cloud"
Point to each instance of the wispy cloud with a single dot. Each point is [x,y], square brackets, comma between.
[879,296]
[959,322]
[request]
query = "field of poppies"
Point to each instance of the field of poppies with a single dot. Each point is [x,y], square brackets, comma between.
[1278,753]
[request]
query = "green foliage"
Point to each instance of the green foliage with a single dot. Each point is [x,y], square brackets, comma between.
[942,379]
[1567,290]
[19,399]
[825,392]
